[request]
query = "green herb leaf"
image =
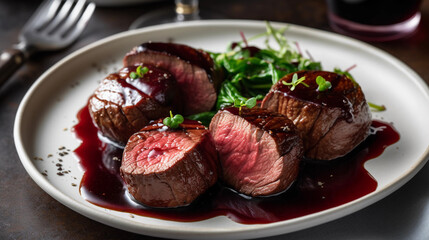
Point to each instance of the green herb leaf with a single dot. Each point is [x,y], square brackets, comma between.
[251,102]
[323,84]
[178,118]
[228,95]
[174,124]
[167,121]
[140,71]
[134,75]
[251,75]
[376,108]
[238,103]
[173,121]
[295,81]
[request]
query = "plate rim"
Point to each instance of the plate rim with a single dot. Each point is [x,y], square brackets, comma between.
[257,229]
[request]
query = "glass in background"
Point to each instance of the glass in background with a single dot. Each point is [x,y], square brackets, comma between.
[374,20]
[184,10]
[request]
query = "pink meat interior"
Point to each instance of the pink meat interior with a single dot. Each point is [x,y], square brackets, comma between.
[158,151]
[250,159]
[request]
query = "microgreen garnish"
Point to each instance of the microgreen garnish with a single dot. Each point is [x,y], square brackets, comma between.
[249,103]
[346,73]
[140,71]
[323,84]
[376,108]
[173,121]
[251,73]
[244,39]
[295,81]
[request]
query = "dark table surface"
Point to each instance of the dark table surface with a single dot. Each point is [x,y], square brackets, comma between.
[27,212]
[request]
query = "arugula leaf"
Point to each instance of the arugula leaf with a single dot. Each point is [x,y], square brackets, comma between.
[251,74]
[228,95]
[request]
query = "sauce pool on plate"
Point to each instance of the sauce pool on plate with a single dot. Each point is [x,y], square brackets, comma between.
[321,184]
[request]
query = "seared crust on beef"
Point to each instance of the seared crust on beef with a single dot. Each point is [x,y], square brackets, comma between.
[195,72]
[169,168]
[331,123]
[121,106]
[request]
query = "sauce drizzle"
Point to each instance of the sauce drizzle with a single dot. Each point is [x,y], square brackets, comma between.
[320,185]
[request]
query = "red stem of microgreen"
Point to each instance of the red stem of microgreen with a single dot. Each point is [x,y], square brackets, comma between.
[298,48]
[350,68]
[244,38]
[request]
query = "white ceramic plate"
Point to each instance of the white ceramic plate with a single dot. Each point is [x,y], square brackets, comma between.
[49,109]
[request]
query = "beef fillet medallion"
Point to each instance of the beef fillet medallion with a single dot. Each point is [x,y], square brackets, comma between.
[259,150]
[164,167]
[332,119]
[194,69]
[123,104]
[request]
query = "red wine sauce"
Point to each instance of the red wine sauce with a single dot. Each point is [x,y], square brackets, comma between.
[320,185]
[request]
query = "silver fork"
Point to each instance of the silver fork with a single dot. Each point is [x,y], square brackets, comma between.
[55,25]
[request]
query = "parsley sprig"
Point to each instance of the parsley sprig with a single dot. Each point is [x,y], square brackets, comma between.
[173,121]
[139,73]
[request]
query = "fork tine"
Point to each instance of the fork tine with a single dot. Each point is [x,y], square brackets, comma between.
[43,14]
[62,14]
[81,23]
[72,18]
